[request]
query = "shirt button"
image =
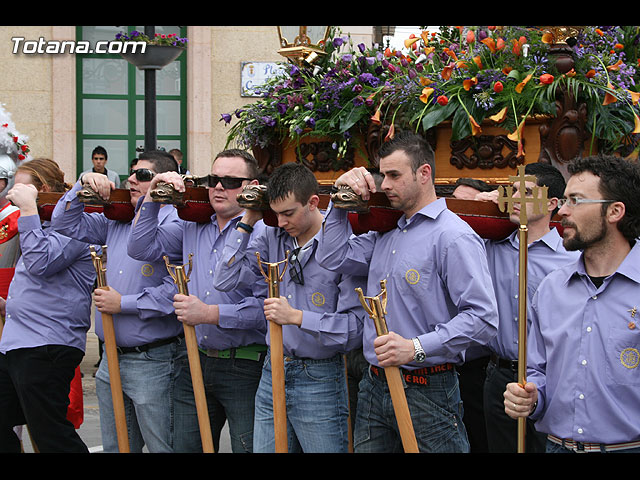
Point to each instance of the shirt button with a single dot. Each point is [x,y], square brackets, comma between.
[289,296]
[215,250]
[208,293]
[588,329]
[581,396]
[584,362]
[580,430]
[120,272]
[594,297]
[393,252]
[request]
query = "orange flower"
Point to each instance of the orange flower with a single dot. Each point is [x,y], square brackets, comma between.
[590,74]
[490,43]
[391,133]
[376,117]
[425,36]
[411,41]
[475,128]
[426,93]
[517,45]
[608,98]
[615,66]
[599,32]
[637,124]
[469,82]
[546,79]
[451,53]
[635,96]
[571,73]
[619,46]
[500,116]
[500,43]
[548,38]
[522,84]
[516,135]
[446,72]
[506,70]
[478,62]
[471,37]
[424,81]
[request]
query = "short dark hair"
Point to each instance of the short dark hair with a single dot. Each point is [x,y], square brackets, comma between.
[620,182]
[161,160]
[415,146]
[547,176]
[476,183]
[249,160]
[100,151]
[292,178]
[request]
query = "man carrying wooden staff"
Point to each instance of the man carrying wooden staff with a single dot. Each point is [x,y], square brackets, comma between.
[584,344]
[440,299]
[181,277]
[231,338]
[321,318]
[544,254]
[150,339]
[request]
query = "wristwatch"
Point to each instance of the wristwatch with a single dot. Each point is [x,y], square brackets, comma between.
[419,355]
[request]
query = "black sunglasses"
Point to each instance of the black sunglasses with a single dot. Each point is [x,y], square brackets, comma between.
[295,268]
[143,174]
[228,183]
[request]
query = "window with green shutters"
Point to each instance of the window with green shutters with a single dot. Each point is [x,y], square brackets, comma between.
[110,102]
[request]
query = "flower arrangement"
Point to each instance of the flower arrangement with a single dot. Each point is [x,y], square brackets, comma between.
[465,75]
[171,39]
[12,142]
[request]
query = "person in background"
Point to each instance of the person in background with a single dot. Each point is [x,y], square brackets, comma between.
[99,160]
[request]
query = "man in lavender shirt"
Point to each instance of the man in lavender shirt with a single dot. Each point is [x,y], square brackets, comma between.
[439,292]
[320,314]
[48,313]
[584,341]
[150,339]
[231,354]
[544,254]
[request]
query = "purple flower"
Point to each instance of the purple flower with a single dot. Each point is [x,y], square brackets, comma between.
[226,117]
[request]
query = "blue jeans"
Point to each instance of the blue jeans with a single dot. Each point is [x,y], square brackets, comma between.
[148,381]
[436,413]
[230,387]
[317,407]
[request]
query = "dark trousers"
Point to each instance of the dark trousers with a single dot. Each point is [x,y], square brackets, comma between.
[34,389]
[471,376]
[502,430]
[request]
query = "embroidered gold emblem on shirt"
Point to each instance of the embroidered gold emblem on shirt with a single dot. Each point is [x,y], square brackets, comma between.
[412,276]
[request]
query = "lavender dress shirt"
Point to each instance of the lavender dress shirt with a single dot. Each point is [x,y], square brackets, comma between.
[49,298]
[149,240]
[438,284]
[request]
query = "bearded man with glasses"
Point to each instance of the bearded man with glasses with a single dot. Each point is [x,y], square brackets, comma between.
[318,309]
[150,339]
[584,340]
[231,350]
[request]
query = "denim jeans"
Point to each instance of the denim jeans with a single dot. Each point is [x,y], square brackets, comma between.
[148,381]
[317,407]
[230,387]
[436,413]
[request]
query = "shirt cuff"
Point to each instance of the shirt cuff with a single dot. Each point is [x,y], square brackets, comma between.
[129,304]
[28,223]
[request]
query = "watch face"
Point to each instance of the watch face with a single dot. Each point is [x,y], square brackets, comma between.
[420,357]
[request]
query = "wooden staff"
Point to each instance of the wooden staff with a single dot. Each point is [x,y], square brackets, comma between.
[376,308]
[181,278]
[539,202]
[99,263]
[273,278]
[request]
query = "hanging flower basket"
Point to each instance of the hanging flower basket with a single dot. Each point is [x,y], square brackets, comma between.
[160,50]
[155,57]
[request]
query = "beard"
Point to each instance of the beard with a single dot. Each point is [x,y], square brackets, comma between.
[582,240]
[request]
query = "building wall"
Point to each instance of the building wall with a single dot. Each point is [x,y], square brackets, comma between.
[39,90]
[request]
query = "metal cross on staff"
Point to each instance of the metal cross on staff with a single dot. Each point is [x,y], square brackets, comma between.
[111,349]
[180,277]
[539,202]
[273,278]
[376,307]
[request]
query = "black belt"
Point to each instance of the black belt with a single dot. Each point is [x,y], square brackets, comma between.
[419,376]
[504,363]
[149,346]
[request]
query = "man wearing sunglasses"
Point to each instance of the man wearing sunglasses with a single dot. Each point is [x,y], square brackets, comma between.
[584,338]
[149,337]
[231,351]
[318,309]
[440,300]
[545,253]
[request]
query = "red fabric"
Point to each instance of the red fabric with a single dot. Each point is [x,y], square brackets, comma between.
[6,274]
[9,225]
[75,412]
[199,212]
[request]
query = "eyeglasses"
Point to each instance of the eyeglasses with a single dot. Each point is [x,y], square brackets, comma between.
[143,174]
[228,183]
[574,201]
[295,268]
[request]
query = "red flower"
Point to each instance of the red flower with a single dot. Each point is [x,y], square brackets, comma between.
[546,78]
[442,100]
[497,87]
